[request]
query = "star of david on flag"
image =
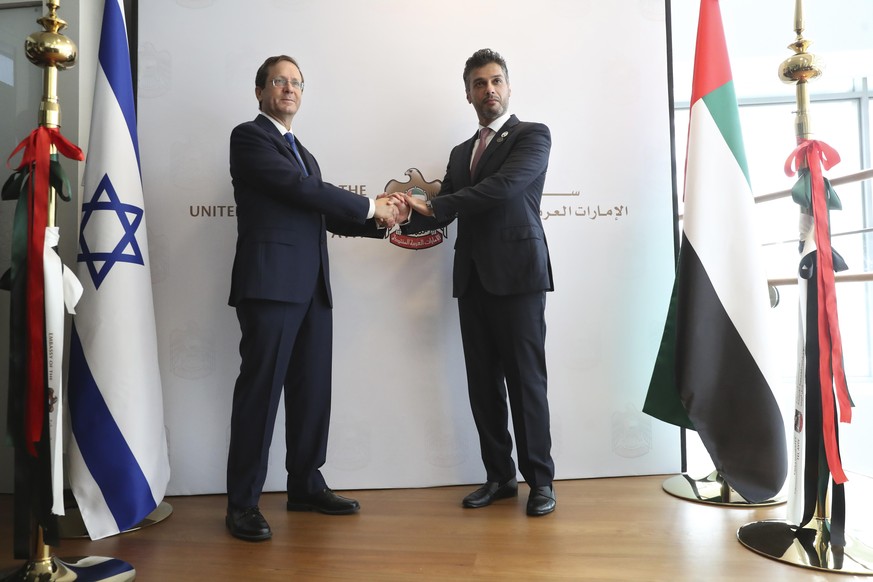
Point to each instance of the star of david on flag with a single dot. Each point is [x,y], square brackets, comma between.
[91,240]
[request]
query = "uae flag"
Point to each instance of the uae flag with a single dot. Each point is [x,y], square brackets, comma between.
[711,373]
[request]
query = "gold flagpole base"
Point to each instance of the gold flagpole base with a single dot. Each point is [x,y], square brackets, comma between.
[82,569]
[712,489]
[71,525]
[807,547]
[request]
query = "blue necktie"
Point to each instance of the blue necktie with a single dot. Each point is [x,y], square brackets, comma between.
[289,137]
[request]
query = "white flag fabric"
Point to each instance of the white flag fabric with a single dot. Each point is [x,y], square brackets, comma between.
[118,464]
[62,288]
[796,493]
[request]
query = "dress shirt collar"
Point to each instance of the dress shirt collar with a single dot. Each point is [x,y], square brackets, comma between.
[497,123]
[279,125]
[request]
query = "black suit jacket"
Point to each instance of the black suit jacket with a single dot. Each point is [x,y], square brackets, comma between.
[498,211]
[282,217]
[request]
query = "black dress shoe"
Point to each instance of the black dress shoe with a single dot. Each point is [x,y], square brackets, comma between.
[541,500]
[248,524]
[490,492]
[325,501]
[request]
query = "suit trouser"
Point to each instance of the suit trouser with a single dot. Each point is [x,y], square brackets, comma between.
[504,341]
[282,345]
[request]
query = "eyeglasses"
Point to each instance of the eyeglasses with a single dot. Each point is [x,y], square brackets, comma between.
[282,82]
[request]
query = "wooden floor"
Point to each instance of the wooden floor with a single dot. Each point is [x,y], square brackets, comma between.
[624,529]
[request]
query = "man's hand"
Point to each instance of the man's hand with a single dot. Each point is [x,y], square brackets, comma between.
[419,205]
[403,209]
[386,212]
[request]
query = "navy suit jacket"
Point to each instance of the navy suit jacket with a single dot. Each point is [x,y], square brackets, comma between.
[282,217]
[498,211]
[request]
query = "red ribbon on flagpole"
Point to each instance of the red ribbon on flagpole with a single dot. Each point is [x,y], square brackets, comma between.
[37,156]
[817,154]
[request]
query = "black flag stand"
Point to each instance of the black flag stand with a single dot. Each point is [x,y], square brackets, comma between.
[820,542]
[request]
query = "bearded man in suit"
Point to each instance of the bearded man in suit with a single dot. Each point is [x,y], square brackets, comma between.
[493,187]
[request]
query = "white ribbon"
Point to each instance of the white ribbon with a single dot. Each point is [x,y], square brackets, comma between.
[62,288]
[796,480]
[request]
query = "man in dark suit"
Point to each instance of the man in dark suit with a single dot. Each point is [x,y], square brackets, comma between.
[493,187]
[280,288]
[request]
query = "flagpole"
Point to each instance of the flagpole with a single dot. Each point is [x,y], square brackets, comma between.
[746,475]
[816,545]
[51,51]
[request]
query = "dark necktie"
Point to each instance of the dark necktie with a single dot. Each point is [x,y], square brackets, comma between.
[483,142]
[289,137]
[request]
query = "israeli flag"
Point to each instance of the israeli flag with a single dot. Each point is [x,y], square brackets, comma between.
[118,464]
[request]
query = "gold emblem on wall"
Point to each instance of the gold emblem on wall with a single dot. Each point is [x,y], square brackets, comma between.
[417,186]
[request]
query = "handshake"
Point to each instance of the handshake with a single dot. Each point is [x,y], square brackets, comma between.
[393,208]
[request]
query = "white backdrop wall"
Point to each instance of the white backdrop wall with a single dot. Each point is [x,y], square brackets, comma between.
[384,94]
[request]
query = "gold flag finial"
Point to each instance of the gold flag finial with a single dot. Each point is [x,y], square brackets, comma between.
[50,50]
[800,68]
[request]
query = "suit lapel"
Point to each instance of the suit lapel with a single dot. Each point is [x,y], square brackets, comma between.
[466,154]
[276,137]
[311,166]
[285,147]
[497,142]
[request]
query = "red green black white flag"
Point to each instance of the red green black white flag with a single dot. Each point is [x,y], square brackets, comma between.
[711,373]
